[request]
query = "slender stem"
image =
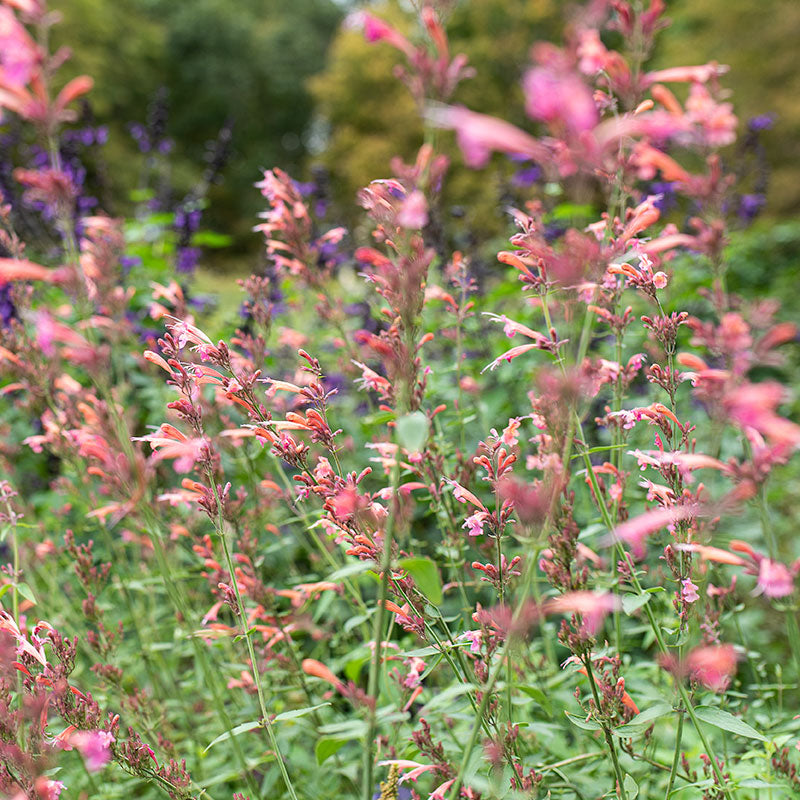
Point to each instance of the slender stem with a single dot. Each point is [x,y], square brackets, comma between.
[676,756]
[473,737]
[612,750]
[377,642]
[568,761]
[181,605]
[604,513]
[262,704]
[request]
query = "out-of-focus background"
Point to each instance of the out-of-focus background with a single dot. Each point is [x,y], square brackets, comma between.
[196,97]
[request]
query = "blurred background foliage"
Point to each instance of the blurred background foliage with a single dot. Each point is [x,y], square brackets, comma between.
[303,90]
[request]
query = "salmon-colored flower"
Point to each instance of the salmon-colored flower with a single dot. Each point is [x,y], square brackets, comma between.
[20,269]
[318,670]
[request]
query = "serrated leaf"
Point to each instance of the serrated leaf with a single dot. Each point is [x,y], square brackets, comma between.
[426,575]
[298,712]
[243,728]
[727,722]
[643,720]
[326,747]
[412,431]
[633,602]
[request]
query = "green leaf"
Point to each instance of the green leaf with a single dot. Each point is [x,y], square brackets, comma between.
[421,652]
[298,712]
[633,602]
[722,719]
[211,239]
[352,569]
[426,576]
[243,728]
[326,747]
[642,721]
[445,697]
[580,722]
[539,696]
[757,783]
[352,669]
[412,431]
[26,592]
[631,787]
[349,729]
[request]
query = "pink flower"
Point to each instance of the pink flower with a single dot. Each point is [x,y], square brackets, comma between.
[465,495]
[416,769]
[413,212]
[775,579]
[752,405]
[689,591]
[48,789]
[701,74]
[592,606]
[479,135]
[713,666]
[94,746]
[440,792]
[592,52]
[18,54]
[474,524]
[716,119]
[474,638]
[510,435]
[376,30]
[635,531]
[554,95]
[416,666]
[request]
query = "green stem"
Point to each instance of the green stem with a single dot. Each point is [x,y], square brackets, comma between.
[377,643]
[262,704]
[181,605]
[612,750]
[676,757]
[604,513]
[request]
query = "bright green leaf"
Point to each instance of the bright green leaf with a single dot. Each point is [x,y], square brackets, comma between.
[211,239]
[326,747]
[426,576]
